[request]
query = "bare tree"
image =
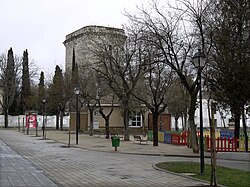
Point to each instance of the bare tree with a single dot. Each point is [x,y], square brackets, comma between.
[162,34]
[178,101]
[120,64]
[105,116]
[152,89]
[169,32]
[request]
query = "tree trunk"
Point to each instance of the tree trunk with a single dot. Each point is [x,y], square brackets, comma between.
[143,124]
[155,128]
[6,118]
[237,123]
[61,120]
[191,112]
[185,121]
[106,118]
[126,122]
[213,180]
[107,127]
[245,128]
[176,123]
[57,121]
[91,113]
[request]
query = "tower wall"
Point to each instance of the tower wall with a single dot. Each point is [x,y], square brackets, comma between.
[84,41]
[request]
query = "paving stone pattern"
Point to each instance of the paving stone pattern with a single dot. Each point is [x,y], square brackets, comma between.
[18,171]
[81,167]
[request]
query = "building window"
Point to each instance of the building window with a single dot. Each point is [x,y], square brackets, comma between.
[135,120]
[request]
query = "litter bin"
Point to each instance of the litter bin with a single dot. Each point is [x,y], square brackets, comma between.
[150,135]
[115,142]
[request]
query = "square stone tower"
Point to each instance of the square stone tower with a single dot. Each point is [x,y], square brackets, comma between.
[85,40]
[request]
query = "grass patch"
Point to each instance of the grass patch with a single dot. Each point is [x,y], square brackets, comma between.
[225,176]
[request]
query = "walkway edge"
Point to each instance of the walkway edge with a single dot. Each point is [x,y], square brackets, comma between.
[186,176]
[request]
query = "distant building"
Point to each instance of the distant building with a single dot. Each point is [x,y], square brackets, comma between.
[83,41]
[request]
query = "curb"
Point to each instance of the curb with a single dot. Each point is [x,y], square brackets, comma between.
[186,176]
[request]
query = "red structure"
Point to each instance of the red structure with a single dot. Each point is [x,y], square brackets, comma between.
[179,139]
[222,144]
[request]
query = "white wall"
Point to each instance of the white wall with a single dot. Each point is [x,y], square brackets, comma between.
[49,121]
[217,116]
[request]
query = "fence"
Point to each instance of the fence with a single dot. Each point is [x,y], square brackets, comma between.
[206,133]
[242,144]
[19,121]
[161,137]
[167,137]
[179,139]
[222,144]
[226,144]
[170,137]
[227,134]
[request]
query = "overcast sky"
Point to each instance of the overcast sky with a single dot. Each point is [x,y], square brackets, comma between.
[41,25]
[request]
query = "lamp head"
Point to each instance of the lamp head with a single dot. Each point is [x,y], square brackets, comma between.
[77,91]
[199,59]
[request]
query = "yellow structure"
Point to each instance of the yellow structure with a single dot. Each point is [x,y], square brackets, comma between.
[242,145]
[160,136]
[206,133]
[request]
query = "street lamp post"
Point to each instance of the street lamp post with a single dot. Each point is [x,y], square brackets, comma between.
[77,92]
[43,128]
[199,62]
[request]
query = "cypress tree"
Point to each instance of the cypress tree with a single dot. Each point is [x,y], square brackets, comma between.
[41,92]
[56,94]
[75,75]
[9,85]
[25,88]
[56,91]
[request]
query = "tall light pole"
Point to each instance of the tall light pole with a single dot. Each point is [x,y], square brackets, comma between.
[77,92]
[43,128]
[199,63]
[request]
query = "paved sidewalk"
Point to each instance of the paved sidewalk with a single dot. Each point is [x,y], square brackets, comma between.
[82,167]
[18,171]
[235,160]
[134,147]
[50,162]
[99,143]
